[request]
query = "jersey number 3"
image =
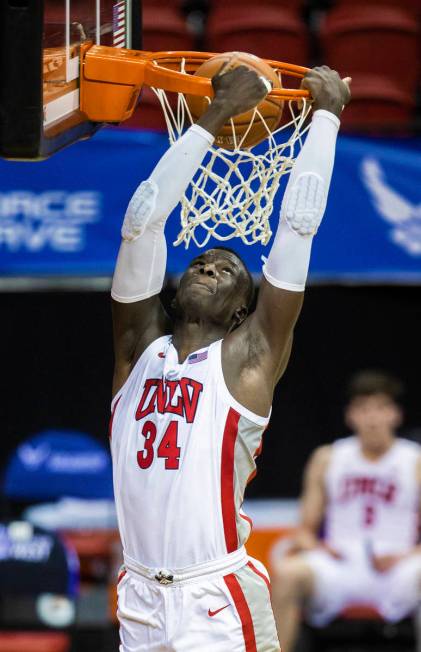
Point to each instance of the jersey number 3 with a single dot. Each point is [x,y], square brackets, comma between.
[168,447]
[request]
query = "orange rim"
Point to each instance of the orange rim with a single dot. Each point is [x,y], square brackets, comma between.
[162,70]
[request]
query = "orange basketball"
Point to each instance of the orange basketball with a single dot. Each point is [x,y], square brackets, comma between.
[270,109]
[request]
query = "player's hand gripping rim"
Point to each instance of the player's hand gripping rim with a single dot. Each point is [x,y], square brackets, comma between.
[327,90]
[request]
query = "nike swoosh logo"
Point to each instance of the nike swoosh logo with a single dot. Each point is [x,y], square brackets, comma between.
[213,613]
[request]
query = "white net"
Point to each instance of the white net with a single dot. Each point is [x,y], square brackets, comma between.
[233,191]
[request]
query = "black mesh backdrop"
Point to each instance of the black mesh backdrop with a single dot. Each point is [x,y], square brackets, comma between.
[57,364]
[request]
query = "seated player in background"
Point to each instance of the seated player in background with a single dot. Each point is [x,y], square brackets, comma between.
[189,408]
[364,492]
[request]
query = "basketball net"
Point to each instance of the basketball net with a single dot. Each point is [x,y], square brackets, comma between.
[233,191]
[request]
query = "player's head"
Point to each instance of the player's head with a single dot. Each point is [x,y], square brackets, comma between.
[216,288]
[373,410]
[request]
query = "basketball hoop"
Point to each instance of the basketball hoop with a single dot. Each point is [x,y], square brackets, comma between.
[233,191]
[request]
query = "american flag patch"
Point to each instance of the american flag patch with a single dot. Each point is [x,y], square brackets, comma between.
[197,357]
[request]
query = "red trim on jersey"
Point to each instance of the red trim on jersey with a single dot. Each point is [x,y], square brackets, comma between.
[252,476]
[255,456]
[248,519]
[243,611]
[110,425]
[227,480]
[259,573]
[260,447]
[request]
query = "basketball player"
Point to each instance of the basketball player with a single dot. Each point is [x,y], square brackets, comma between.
[366,490]
[190,407]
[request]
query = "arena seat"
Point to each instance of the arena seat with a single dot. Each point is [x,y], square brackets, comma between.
[164,28]
[149,114]
[268,31]
[369,41]
[34,642]
[413,6]
[177,4]
[295,5]
[378,104]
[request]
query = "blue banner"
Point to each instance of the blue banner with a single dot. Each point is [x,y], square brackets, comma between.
[57,463]
[63,216]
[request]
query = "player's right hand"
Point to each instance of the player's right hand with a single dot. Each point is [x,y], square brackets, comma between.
[239,89]
[327,89]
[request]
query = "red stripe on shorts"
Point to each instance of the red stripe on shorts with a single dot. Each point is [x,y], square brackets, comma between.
[259,573]
[110,426]
[227,480]
[243,611]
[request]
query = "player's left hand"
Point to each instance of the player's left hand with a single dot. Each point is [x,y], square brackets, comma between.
[384,563]
[328,90]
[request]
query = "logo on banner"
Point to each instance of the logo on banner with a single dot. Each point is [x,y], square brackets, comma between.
[55,220]
[394,208]
[35,456]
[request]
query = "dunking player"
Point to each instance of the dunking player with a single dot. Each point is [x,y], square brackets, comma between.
[366,490]
[189,408]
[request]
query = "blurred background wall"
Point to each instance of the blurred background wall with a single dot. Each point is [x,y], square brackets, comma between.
[57,368]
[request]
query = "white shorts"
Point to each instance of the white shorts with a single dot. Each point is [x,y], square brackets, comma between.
[214,612]
[350,581]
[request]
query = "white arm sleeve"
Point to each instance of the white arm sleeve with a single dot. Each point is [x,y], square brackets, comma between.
[141,262]
[303,205]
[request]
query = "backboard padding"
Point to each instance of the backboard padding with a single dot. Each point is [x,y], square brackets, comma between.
[39,68]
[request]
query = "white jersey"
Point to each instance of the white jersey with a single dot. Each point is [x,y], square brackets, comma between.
[375,504]
[183,451]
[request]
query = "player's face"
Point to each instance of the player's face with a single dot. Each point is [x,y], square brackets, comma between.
[213,287]
[374,418]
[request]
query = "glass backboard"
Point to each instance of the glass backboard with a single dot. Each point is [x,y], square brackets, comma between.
[39,93]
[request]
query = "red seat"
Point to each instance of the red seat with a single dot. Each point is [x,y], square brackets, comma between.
[34,642]
[369,41]
[148,114]
[268,31]
[164,28]
[158,3]
[413,6]
[377,105]
[295,5]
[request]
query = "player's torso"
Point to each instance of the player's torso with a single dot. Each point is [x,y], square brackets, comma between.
[373,502]
[182,453]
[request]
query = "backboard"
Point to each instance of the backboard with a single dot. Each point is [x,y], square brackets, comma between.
[40,64]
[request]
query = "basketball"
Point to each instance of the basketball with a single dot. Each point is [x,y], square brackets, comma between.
[270,109]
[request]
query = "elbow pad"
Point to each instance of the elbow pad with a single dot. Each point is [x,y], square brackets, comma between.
[303,206]
[139,211]
[141,262]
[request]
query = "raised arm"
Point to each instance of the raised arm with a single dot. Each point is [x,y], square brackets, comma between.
[138,317]
[256,354]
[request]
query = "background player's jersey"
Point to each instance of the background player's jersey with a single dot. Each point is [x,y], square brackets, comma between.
[374,503]
[183,450]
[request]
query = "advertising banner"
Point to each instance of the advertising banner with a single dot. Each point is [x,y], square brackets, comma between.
[62,216]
